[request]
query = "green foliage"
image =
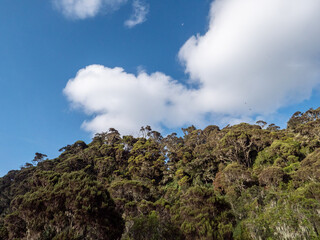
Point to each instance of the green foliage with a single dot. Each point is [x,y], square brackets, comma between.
[288,216]
[68,202]
[240,182]
[202,214]
[151,227]
[282,153]
[233,179]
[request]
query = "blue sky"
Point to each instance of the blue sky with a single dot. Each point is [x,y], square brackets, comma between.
[192,45]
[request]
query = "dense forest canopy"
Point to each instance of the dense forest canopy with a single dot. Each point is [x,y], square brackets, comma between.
[240,182]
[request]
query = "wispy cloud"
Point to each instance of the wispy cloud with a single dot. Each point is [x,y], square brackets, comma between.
[82,9]
[139,15]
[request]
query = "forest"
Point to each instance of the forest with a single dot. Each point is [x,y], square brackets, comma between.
[246,181]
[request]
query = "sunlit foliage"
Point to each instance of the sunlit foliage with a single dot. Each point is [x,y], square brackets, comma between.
[240,182]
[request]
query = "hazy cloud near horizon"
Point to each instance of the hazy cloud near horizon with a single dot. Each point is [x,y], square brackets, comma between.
[256,57]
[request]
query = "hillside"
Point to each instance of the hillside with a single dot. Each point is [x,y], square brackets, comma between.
[240,182]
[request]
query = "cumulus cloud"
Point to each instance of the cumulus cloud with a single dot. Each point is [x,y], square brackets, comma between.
[257,56]
[139,15]
[127,101]
[262,54]
[81,9]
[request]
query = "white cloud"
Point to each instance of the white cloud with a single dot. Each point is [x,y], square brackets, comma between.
[140,11]
[257,56]
[81,9]
[127,102]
